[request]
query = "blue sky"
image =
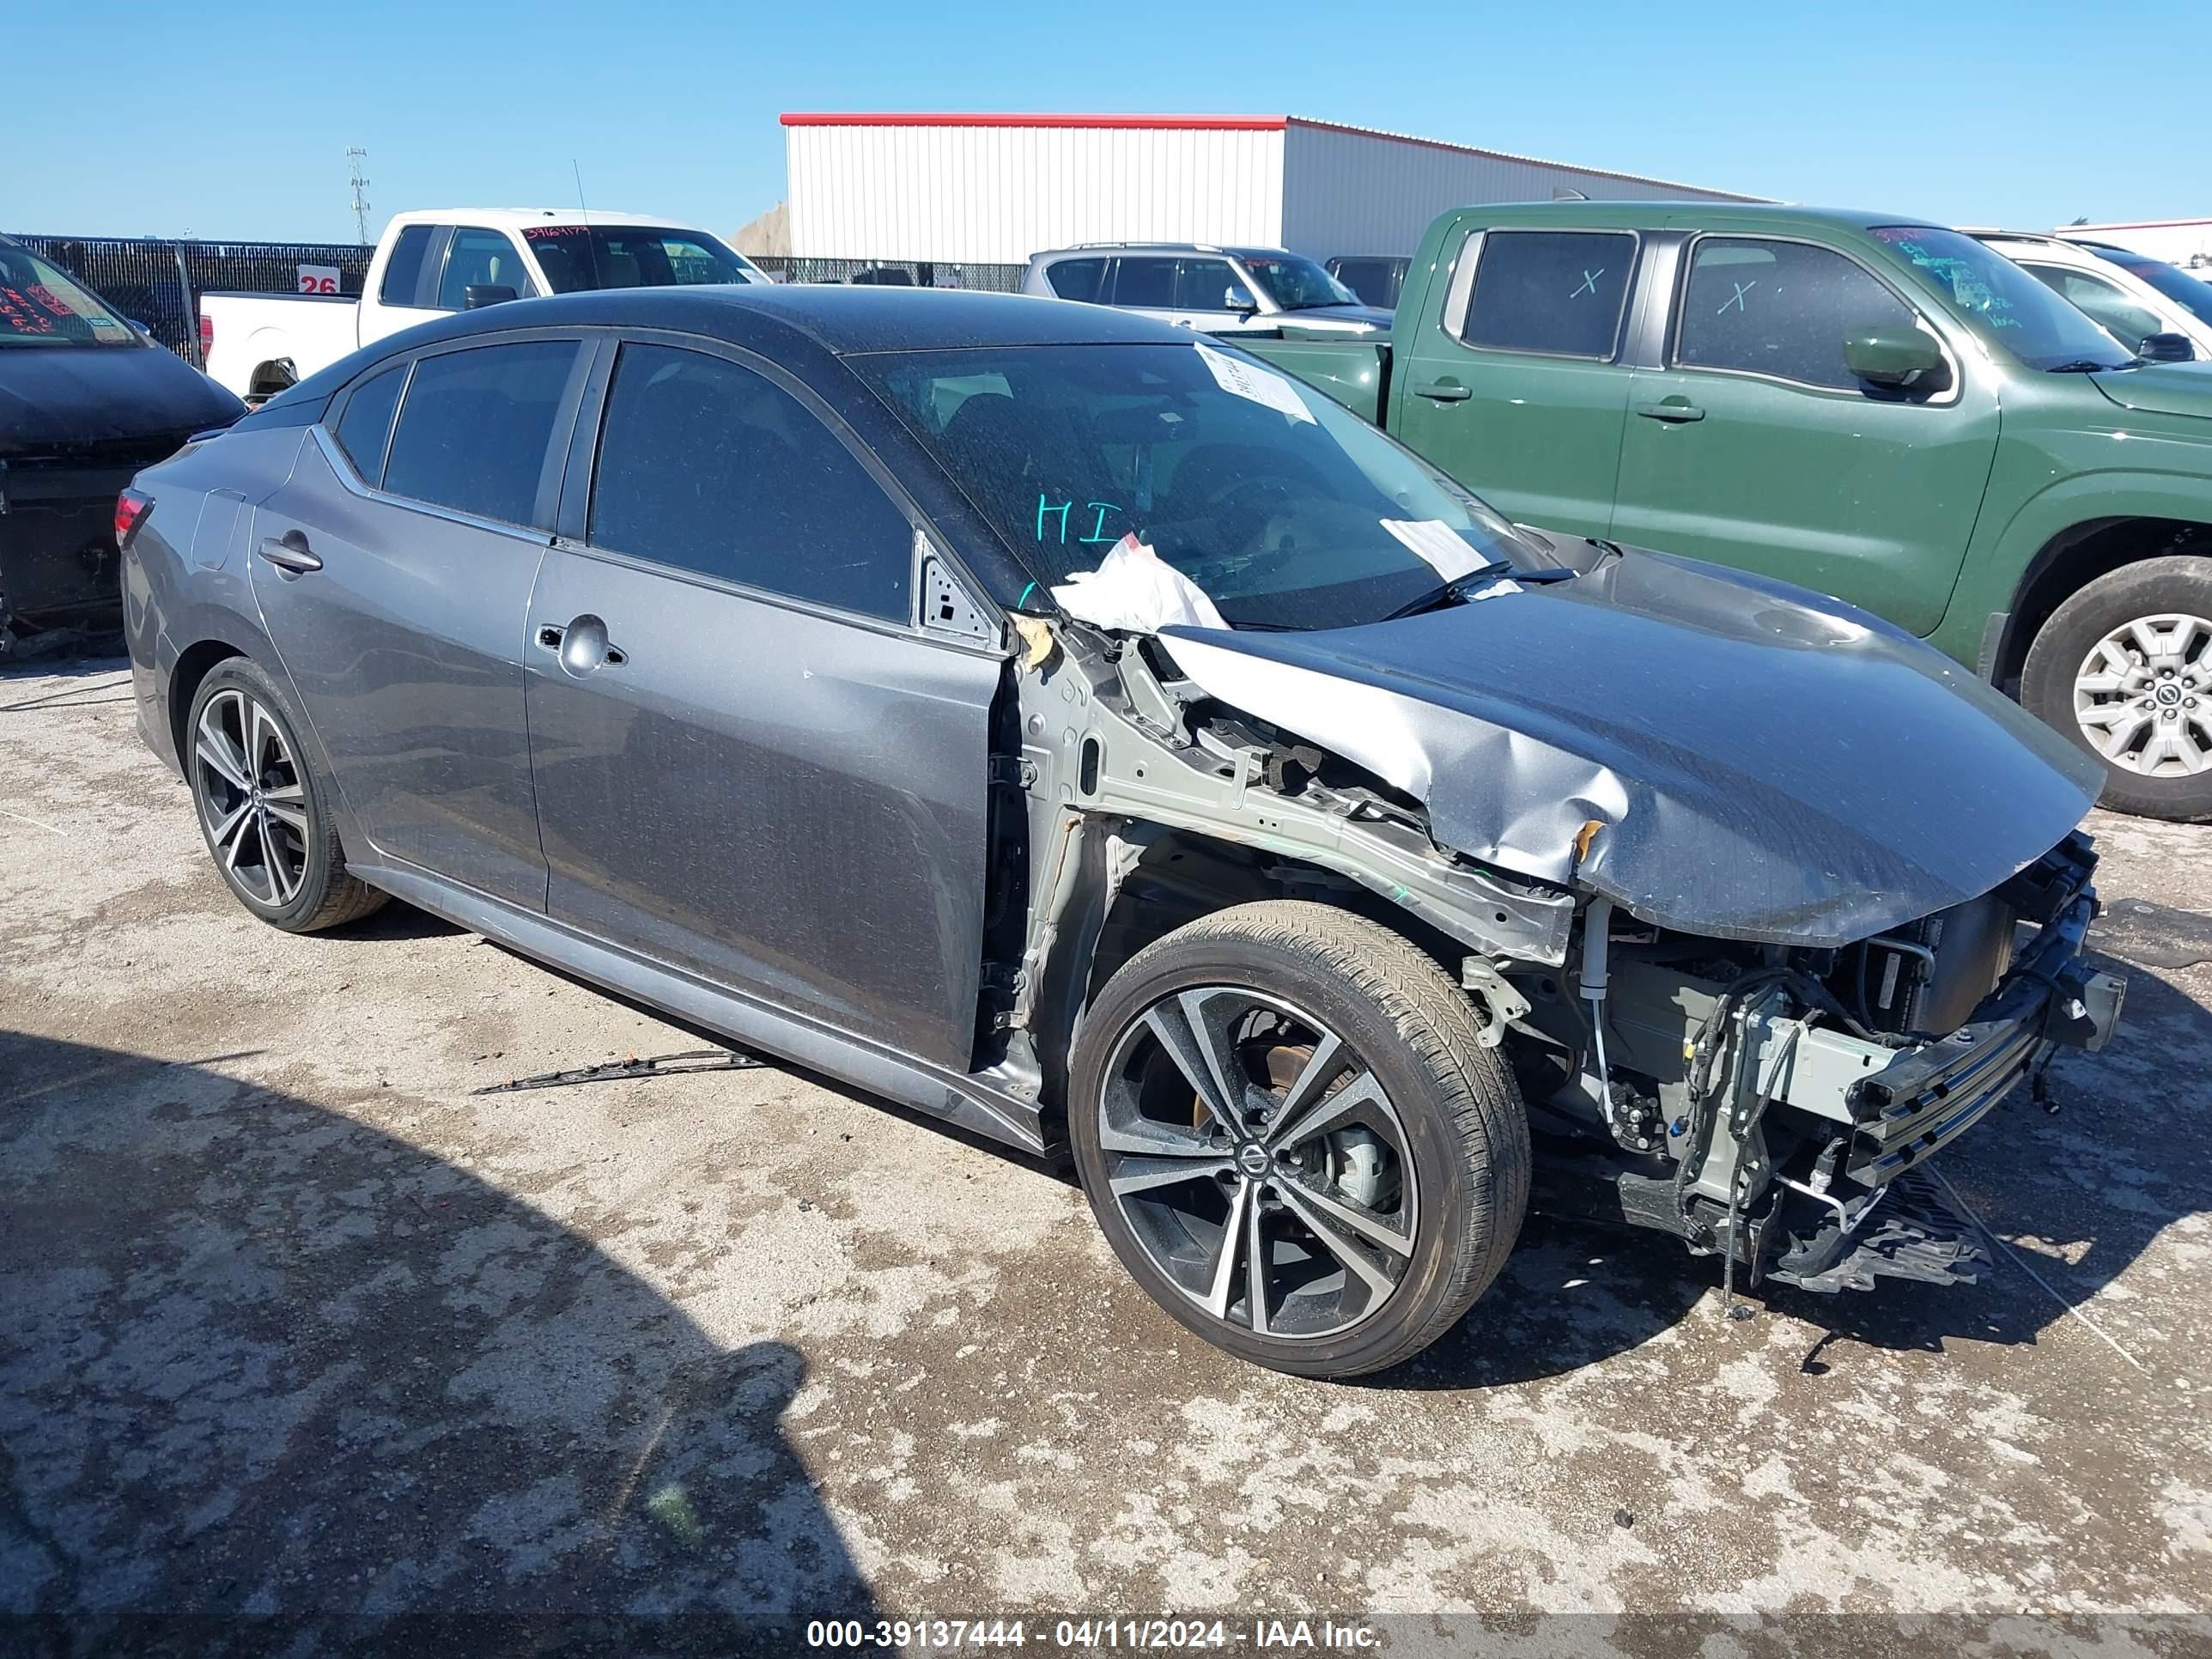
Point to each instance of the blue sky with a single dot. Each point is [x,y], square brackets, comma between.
[233,119]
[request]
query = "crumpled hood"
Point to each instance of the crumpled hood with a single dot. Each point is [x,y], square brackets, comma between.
[2161,388]
[1767,764]
[51,395]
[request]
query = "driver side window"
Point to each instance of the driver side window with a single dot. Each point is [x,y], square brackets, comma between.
[1210,285]
[479,258]
[1779,308]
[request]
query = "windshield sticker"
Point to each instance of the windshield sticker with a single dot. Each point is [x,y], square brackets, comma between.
[1056,513]
[1258,385]
[17,312]
[1436,545]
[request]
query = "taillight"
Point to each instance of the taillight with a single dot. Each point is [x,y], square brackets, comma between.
[131,508]
[207,334]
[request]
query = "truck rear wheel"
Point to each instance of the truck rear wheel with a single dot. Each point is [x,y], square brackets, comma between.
[1293,1140]
[2124,669]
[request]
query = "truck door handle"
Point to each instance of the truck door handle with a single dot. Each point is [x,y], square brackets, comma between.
[1444,391]
[583,645]
[290,553]
[1674,409]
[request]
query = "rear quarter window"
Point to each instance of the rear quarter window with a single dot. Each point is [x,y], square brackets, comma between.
[1075,279]
[364,429]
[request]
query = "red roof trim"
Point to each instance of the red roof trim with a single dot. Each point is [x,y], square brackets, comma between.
[1197,123]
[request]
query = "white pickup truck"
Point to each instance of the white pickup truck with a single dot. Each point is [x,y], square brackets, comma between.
[449,259]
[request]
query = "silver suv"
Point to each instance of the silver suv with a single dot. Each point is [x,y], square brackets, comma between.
[1193,285]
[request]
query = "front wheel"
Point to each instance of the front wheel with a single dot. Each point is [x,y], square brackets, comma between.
[1293,1140]
[2124,668]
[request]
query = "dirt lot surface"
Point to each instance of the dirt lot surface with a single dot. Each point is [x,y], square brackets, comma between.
[296,1325]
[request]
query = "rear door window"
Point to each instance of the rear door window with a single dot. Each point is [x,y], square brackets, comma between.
[364,430]
[1148,283]
[402,270]
[1075,279]
[1558,292]
[474,431]
[1779,308]
[481,259]
[708,466]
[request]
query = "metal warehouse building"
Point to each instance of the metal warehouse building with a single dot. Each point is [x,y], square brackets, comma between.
[994,189]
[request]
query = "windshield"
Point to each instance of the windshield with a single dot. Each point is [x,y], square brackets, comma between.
[1296,284]
[39,306]
[2177,284]
[631,256]
[2001,302]
[1288,510]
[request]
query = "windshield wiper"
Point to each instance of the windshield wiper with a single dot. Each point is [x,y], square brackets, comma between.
[1460,586]
[2090,365]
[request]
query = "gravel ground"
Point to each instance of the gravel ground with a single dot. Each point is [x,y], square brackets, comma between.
[297,1326]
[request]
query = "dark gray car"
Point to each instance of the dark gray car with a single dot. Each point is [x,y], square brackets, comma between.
[1073,730]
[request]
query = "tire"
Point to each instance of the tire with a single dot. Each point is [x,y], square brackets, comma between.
[1392,1169]
[266,822]
[2171,597]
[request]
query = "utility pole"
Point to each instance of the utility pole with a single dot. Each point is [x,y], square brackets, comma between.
[354,156]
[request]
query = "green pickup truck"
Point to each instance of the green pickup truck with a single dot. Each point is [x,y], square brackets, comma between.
[1885,412]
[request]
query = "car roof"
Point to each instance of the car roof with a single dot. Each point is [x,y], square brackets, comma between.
[1082,249]
[838,318]
[520,218]
[1652,215]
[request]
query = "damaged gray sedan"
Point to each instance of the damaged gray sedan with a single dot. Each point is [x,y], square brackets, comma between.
[1078,733]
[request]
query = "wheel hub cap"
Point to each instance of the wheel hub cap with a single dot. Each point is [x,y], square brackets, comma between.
[1258,1163]
[2142,696]
[251,800]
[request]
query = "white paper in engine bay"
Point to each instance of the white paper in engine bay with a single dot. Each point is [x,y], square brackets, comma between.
[1137,591]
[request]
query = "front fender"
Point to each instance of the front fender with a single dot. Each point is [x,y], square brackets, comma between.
[2070,480]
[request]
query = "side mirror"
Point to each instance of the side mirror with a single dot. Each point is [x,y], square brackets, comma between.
[2166,348]
[1236,299]
[138,327]
[1898,358]
[476,295]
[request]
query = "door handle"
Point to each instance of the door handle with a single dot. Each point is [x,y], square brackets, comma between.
[1670,411]
[583,646]
[1444,391]
[290,553]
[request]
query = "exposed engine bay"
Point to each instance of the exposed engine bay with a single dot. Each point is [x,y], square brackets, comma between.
[1769,1091]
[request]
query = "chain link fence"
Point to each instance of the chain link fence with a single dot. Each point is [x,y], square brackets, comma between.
[158,281]
[900,273]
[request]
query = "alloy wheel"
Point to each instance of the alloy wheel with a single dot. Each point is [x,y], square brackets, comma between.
[1258,1163]
[251,800]
[2144,696]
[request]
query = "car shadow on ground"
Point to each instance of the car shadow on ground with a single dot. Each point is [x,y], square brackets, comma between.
[2086,1190]
[270,1376]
